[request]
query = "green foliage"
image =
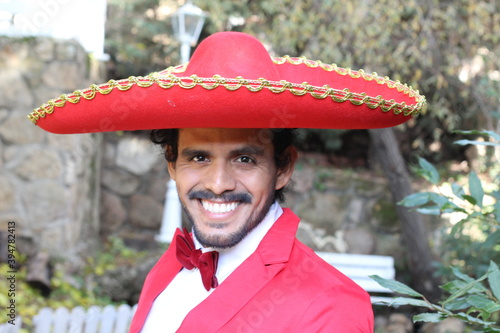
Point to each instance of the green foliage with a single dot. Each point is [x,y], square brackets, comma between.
[474,239]
[68,291]
[114,254]
[474,301]
[29,300]
[471,248]
[139,38]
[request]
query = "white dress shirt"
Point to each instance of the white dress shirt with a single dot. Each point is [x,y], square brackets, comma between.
[186,290]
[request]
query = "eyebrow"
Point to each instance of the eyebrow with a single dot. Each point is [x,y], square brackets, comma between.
[189,152]
[244,150]
[248,150]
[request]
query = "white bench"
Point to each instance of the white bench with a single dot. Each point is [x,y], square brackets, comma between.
[359,267]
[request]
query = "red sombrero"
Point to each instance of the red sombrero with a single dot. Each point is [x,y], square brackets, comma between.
[231,81]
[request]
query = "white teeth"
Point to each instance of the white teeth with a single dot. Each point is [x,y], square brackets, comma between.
[219,208]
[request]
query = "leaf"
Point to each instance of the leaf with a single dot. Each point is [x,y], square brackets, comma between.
[457,190]
[492,240]
[483,303]
[494,280]
[439,199]
[470,199]
[476,188]
[415,199]
[496,211]
[470,319]
[429,172]
[461,275]
[465,142]
[398,301]
[395,286]
[433,210]
[458,304]
[461,292]
[491,134]
[428,317]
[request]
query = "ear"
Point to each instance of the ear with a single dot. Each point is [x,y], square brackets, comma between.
[171,169]
[285,173]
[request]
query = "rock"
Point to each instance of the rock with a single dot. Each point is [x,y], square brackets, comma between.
[45,50]
[136,155]
[390,245]
[39,272]
[109,154]
[158,186]
[63,75]
[1,156]
[113,213]
[52,239]
[355,212]
[318,240]
[44,202]
[120,182]
[6,194]
[449,325]
[14,91]
[40,164]
[65,142]
[323,210]
[359,241]
[4,114]
[19,130]
[145,212]
[399,323]
[303,180]
[66,51]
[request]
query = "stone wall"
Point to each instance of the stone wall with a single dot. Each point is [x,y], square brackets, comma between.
[49,184]
[134,178]
[343,210]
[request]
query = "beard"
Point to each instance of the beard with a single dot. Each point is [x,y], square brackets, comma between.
[231,239]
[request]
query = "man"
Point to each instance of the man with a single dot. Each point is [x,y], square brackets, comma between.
[225,123]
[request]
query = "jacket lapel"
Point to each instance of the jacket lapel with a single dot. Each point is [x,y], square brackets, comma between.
[157,280]
[247,280]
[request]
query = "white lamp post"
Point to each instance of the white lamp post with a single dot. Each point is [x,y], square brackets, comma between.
[187,23]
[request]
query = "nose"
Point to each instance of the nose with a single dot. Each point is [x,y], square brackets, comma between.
[220,178]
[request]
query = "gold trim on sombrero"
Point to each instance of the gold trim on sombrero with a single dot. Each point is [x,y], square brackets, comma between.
[167,80]
[347,71]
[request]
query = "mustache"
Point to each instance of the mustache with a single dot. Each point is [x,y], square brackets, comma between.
[226,196]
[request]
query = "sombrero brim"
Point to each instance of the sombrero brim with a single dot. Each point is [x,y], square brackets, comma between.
[282,92]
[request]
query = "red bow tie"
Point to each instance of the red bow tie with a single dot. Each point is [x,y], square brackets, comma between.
[190,257]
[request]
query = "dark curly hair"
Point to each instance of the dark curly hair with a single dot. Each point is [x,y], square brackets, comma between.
[168,139]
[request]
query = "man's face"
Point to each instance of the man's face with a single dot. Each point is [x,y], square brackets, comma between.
[226,180]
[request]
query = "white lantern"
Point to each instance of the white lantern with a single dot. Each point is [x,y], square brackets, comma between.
[187,23]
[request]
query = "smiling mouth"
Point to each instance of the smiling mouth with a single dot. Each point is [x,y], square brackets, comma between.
[219,207]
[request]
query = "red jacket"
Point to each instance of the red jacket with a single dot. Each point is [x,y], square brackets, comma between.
[282,287]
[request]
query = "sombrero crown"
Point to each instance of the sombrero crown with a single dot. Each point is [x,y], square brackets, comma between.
[232,81]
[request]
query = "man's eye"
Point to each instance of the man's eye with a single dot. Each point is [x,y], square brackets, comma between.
[245,159]
[199,158]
